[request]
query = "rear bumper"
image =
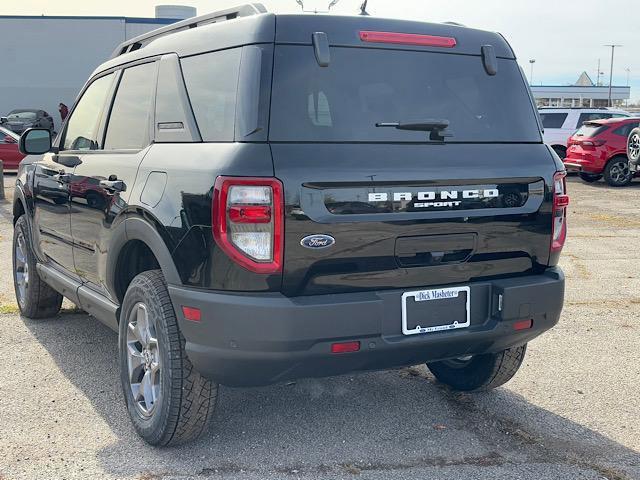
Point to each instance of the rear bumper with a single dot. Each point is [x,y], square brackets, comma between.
[583,165]
[259,339]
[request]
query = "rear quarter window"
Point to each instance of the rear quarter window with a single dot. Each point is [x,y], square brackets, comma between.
[212,85]
[625,130]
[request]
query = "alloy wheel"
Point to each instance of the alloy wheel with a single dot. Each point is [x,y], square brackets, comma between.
[634,147]
[143,360]
[21,268]
[619,172]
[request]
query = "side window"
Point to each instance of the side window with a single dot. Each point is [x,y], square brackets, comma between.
[553,120]
[625,130]
[128,126]
[212,84]
[82,127]
[588,117]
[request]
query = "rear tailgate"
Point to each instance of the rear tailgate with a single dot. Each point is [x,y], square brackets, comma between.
[403,243]
[404,210]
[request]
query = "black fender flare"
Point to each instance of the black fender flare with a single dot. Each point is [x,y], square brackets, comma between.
[137,228]
[19,197]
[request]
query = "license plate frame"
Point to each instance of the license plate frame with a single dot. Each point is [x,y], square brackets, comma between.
[431,295]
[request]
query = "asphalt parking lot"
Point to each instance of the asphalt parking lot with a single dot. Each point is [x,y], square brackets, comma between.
[572,411]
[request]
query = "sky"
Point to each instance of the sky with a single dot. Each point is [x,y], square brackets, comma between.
[565,37]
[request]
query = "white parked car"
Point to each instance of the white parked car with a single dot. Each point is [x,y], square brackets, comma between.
[560,123]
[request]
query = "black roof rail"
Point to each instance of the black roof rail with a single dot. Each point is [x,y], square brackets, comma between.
[140,41]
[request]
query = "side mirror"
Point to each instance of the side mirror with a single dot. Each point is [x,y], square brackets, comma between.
[35,141]
[3,120]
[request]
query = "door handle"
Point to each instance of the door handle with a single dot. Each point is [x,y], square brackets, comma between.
[114,186]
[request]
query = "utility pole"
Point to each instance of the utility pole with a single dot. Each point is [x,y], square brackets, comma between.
[532,61]
[628,70]
[613,50]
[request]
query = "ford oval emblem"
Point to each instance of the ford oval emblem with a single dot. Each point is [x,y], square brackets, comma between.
[317,241]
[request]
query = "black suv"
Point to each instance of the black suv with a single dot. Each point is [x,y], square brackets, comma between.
[249,198]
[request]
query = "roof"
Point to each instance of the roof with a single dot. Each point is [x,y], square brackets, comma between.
[154,21]
[298,29]
[606,121]
[584,80]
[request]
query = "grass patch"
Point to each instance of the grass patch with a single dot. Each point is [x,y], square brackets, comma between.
[8,308]
[614,220]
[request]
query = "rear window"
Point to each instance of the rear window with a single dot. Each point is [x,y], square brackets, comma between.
[362,87]
[591,130]
[553,120]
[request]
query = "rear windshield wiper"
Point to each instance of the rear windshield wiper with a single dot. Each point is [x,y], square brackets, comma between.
[436,127]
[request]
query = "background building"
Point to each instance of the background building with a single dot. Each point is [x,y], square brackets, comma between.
[584,93]
[46,60]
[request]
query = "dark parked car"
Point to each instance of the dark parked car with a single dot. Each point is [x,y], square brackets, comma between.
[290,196]
[9,152]
[20,119]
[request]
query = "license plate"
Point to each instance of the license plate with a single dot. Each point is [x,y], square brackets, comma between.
[427,311]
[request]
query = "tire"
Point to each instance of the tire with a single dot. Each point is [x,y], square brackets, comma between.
[560,151]
[589,177]
[173,403]
[617,172]
[35,298]
[480,372]
[633,146]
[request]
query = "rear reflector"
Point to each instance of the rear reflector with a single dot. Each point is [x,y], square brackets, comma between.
[191,313]
[523,325]
[345,347]
[408,39]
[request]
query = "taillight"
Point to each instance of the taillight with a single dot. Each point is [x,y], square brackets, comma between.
[247,221]
[592,143]
[559,211]
[408,39]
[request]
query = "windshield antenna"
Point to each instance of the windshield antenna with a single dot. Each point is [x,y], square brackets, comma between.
[363,8]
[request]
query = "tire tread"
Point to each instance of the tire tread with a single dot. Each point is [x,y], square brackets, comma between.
[192,397]
[42,301]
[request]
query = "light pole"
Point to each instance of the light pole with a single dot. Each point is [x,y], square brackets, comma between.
[532,61]
[628,70]
[613,49]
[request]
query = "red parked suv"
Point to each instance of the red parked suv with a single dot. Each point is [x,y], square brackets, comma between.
[599,148]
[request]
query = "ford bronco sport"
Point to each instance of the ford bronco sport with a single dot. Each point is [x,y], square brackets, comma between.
[285,196]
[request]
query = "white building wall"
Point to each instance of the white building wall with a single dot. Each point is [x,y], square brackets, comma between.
[47,60]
